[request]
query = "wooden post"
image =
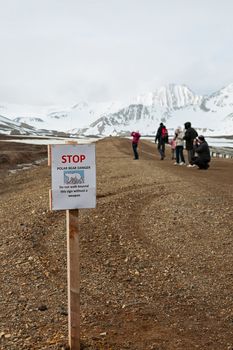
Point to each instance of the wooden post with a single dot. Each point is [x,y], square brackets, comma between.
[73,270]
[49,155]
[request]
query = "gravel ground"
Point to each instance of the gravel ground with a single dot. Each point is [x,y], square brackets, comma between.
[156,256]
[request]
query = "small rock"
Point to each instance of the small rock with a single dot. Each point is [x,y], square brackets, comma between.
[63,312]
[42,307]
[103,334]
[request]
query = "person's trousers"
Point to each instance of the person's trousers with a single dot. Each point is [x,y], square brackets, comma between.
[190,155]
[161,149]
[201,163]
[173,151]
[135,151]
[179,154]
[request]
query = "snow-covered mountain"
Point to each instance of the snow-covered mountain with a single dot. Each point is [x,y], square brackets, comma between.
[172,104]
[170,98]
[68,120]
[10,127]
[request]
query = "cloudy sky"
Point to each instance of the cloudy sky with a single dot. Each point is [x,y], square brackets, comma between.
[64,51]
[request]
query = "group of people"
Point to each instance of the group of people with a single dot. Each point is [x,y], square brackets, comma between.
[198,151]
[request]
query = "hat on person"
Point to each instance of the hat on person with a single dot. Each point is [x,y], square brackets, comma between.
[201,138]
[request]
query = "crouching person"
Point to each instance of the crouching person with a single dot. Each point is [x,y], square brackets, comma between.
[201,148]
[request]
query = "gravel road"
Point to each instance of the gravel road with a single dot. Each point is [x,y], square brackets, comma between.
[156,256]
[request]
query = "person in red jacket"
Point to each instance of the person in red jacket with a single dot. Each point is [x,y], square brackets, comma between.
[136,137]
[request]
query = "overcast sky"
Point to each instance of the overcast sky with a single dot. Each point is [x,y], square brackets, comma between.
[64,51]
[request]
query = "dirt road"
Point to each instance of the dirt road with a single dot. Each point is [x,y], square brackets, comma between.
[156,256]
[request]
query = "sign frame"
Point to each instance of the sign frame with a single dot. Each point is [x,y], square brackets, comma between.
[73,175]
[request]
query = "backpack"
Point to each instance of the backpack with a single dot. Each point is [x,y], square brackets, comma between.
[164,134]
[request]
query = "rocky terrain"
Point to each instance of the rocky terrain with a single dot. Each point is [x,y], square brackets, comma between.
[156,254]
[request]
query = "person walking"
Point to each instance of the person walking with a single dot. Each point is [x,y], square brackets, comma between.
[189,136]
[179,135]
[201,148]
[136,136]
[162,138]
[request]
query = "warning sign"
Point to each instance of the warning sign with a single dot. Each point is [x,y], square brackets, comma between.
[73,176]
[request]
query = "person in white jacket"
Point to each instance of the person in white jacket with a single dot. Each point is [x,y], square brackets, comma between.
[179,134]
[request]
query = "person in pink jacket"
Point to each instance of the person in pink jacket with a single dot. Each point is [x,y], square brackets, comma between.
[135,140]
[172,143]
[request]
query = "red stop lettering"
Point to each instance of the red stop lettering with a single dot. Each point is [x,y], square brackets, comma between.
[70,158]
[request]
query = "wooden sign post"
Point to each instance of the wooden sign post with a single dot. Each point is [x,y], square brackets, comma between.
[73,278]
[73,187]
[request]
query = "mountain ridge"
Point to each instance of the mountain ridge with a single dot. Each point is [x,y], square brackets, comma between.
[173,104]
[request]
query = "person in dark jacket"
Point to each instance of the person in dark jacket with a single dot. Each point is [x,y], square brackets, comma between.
[161,140]
[189,136]
[201,148]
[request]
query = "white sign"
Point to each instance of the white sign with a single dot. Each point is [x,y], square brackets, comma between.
[73,176]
